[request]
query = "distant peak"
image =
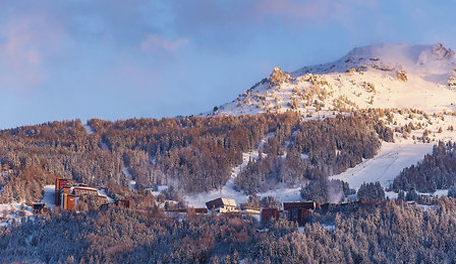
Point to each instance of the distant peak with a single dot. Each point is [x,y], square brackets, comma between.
[389,51]
[440,52]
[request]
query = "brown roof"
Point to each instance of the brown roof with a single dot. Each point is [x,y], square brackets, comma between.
[299,205]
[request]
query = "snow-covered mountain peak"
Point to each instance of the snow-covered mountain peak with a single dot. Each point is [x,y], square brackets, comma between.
[394,76]
[440,52]
[403,53]
[390,57]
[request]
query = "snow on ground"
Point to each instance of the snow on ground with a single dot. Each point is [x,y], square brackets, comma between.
[427,207]
[228,190]
[160,189]
[284,194]
[14,212]
[440,193]
[127,173]
[281,194]
[103,193]
[49,196]
[89,130]
[374,85]
[391,195]
[386,165]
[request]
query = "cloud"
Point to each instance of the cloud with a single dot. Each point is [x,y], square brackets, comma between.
[28,42]
[20,51]
[155,43]
[321,12]
[288,9]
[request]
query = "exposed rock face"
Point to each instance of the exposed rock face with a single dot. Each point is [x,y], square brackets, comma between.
[440,52]
[452,79]
[401,75]
[277,77]
[452,82]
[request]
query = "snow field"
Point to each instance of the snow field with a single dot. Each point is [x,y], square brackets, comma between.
[386,165]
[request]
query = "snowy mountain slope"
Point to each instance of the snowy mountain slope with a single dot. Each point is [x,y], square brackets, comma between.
[415,85]
[380,76]
[384,167]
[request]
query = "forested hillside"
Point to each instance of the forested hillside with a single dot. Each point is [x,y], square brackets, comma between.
[312,150]
[192,154]
[383,232]
[436,171]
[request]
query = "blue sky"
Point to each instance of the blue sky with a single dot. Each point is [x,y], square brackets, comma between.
[118,59]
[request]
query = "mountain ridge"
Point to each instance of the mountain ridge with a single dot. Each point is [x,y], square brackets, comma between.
[393,54]
[377,76]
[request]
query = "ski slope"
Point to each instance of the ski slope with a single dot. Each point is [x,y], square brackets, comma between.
[386,165]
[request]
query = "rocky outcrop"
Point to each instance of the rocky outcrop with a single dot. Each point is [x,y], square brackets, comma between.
[278,77]
[401,75]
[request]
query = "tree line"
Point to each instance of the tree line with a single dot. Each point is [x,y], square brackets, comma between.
[382,232]
[436,171]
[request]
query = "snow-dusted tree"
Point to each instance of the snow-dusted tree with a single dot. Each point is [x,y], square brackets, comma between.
[370,192]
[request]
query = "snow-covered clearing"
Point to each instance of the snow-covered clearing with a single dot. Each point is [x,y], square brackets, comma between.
[228,190]
[282,194]
[89,130]
[14,212]
[127,173]
[160,189]
[384,167]
[19,211]
[49,196]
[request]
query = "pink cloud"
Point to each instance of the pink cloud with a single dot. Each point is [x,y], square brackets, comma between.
[272,7]
[155,43]
[28,41]
[20,52]
[322,10]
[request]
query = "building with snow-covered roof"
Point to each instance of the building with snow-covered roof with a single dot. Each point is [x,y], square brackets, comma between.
[222,205]
[68,194]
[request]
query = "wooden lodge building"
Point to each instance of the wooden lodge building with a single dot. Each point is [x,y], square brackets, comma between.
[68,193]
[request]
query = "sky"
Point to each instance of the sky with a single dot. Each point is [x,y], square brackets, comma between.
[120,59]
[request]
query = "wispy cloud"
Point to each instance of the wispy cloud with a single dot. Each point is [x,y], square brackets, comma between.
[20,50]
[28,42]
[155,43]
